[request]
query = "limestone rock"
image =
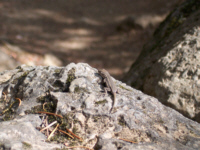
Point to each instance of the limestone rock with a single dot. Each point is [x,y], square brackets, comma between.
[21,133]
[168,67]
[76,93]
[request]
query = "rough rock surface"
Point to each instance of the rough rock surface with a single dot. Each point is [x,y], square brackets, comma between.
[21,133]
[169,67]
[76,93]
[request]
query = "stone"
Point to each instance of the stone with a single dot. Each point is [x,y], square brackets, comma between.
[168,67]
[75,92]
[20,133]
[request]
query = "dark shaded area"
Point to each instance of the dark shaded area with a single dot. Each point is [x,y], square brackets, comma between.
[82,31]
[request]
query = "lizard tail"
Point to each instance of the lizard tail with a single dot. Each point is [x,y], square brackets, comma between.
[113,104]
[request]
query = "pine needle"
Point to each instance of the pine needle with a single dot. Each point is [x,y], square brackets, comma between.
[66,133]
[48,113]
[48,126]
[74,134]
[80,147]
[20,102]
[128,140]
[4,96]
[53,132]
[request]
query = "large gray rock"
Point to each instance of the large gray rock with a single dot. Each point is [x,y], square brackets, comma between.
[21,133]
[76,93]
[168,67]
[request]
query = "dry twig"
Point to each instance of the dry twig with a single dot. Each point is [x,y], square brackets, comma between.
[74,134]
[80,147]
[66,133]
[128,140]
[5,96]
[48,113]
[48,126]
[44,105]
[53,132]
[20,102]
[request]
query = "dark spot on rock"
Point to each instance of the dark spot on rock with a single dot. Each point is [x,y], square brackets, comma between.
[73,108]
[121,120]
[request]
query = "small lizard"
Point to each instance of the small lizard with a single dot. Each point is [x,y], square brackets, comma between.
[110,85]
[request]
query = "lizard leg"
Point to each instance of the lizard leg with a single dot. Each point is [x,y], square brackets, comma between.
[106,89]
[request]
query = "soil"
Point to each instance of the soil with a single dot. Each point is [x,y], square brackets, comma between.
[102,33]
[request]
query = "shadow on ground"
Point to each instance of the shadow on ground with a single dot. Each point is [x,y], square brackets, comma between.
[95,32]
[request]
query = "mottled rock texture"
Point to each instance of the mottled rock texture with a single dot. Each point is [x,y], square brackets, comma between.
[169,66]
[76,93]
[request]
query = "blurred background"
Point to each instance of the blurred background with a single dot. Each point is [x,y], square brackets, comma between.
[103,33]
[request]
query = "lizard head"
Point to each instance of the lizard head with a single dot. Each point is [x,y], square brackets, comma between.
[103,72]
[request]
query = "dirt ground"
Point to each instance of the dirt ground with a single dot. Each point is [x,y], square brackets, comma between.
[102,33]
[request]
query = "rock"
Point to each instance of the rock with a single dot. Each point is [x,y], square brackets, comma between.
[6,62]
[75,92]
[168,67]
[21,133]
